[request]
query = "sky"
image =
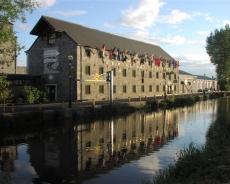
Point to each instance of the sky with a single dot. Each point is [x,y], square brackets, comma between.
[179,27]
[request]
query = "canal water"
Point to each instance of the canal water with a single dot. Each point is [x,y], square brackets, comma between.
[121,149]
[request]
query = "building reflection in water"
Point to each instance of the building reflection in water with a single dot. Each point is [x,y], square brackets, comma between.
[105,144]
[82,149]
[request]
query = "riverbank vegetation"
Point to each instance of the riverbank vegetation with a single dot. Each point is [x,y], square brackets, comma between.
[205,164]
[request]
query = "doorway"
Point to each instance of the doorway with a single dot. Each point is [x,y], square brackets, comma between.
[52,91]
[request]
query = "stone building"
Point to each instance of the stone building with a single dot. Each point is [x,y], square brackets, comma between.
[8,56]
[189,83]
[139,68]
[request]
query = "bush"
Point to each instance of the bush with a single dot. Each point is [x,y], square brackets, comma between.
[30,94]
[190,99]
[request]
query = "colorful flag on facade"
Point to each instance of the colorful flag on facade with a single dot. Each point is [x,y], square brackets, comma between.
[103,50]
[152,58]
[158,61]
[118,54]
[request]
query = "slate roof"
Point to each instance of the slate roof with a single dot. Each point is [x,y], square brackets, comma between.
[95,38]
[198,76]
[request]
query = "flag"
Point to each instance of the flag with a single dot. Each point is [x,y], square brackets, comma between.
[176,64]
[103,50]
[111,53]
[152,58]
[158,61]
[118,54]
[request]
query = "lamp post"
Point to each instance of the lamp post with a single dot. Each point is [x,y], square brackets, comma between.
[70,59]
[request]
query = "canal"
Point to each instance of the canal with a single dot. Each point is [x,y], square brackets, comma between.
[120,149]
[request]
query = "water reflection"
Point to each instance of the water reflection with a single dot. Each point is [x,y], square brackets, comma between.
[81,150]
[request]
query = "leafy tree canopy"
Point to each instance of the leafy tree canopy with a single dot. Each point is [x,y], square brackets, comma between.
[10,11]
[4,87]
[218,48]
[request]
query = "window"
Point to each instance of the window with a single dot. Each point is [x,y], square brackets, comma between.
[164,75]
[174,76]
[164,87]
[101,141]
[124,136]
[174,87]
[124,89]
[189,83]
[142,80]
[101,89]
[157,88]
[124,72]
[52,38]
[88,144]
[150,88]
[44,37]
[87,89]
[114,88]
[101,70]
[171,76]
[134,89]
[150,74]
[87,70]
[142,88]
[134,73]
[157,75]
[134,134]
[114,71]
[142,74]
[58,35]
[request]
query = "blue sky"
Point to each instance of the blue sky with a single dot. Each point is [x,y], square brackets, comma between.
[180,27]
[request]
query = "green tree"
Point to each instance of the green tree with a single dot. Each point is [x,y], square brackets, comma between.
[30,94]
[4,89]
[10,11]
[218,47]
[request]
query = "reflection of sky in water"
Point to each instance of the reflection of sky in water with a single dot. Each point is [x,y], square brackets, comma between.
[192,128]
[24,172]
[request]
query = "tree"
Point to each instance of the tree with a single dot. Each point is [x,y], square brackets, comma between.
[218,48]
[10,11]
[4,89]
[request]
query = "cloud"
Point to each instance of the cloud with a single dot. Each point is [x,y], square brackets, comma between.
[23,27]
[142,15]
[193,58]
[69,13]
[226,22]
[208,18]
[174,40]
[176,17]
[46,3]
[203,32]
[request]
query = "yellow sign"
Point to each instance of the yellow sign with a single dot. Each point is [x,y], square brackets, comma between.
[96,76]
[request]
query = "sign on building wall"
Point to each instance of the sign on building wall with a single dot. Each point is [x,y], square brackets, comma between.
[51,60]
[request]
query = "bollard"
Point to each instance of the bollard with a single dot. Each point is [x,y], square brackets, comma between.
[140,98]
[40,106]
[146,98]
[93,103]
[155,97]
[129,99]
[12,108]
[63,104]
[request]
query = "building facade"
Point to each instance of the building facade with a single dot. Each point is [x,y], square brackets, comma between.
[139,69]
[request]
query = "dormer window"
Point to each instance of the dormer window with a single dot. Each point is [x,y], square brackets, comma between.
[52,37]
[44,37]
